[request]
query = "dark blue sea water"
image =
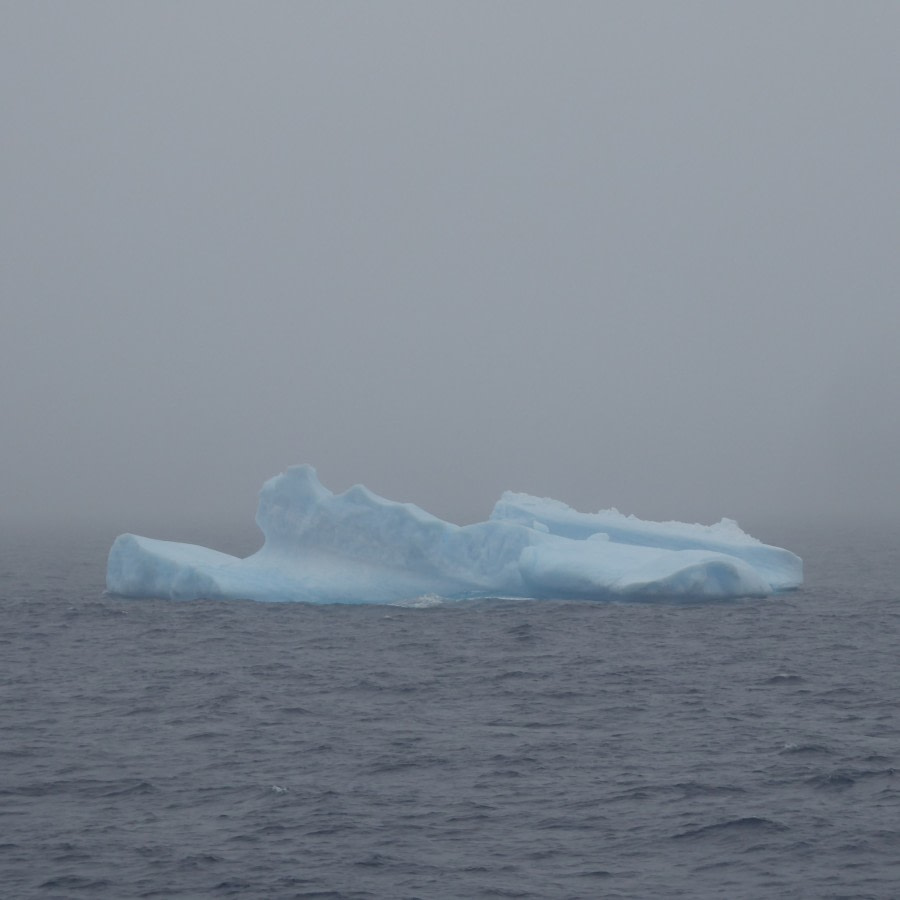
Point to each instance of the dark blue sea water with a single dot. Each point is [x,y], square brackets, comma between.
[486,750]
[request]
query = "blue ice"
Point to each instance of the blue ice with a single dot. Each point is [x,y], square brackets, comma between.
[357,547]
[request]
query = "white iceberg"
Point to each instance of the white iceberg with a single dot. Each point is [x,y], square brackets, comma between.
[357,547]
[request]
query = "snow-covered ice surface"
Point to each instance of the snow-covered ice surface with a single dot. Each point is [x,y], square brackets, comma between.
[357,547]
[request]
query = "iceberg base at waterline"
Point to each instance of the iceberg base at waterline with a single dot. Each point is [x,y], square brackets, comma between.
[357,547]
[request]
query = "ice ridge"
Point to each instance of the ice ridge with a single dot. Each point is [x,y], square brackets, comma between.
[357,547]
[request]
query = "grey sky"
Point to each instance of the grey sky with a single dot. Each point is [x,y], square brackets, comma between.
[634,254]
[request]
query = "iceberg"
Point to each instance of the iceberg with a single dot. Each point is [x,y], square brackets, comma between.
[782,569]
[357,547]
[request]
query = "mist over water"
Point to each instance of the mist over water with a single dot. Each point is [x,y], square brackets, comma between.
[622,256]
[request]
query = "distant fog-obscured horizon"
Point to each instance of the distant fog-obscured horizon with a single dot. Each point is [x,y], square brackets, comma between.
[630,255]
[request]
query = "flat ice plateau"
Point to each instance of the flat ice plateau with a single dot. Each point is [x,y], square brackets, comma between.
[357,547]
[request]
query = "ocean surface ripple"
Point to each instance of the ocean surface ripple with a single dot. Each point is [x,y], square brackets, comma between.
[469,750]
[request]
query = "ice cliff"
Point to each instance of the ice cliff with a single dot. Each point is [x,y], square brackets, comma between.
[357,547]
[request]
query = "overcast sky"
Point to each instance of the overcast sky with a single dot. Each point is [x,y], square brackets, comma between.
[634,254]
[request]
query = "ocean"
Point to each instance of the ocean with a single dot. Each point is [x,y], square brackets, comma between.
[468,750]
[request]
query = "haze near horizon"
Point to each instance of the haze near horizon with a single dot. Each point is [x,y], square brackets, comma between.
[631,255]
